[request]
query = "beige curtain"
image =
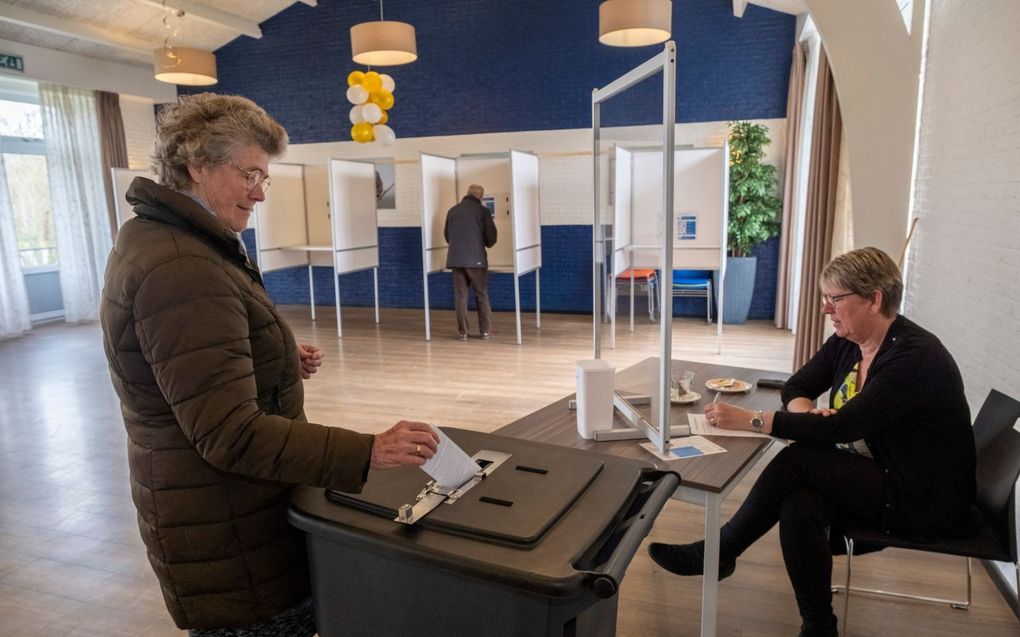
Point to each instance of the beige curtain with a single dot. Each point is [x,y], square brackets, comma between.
[112,145]
[823,178]
[794,119]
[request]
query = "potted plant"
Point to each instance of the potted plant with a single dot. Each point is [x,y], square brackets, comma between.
[753,216]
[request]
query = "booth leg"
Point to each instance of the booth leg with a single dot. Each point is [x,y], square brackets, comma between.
[311,289]
[428,327]
[375,281]
[517,305]
[538,300]
[336,292]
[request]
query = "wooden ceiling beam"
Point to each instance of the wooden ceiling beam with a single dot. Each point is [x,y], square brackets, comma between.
[72,29]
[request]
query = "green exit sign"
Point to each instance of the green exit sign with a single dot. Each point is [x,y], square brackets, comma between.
[12,62]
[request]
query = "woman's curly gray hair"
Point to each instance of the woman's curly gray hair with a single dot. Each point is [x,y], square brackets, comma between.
[208,128]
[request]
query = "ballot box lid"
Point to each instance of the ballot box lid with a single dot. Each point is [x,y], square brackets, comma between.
[565,507]
[517,503]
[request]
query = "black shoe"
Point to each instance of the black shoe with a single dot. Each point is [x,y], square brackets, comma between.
[824,628]
[687,559]
[821,632]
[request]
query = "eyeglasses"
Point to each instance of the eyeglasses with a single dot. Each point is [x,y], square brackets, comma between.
[834,300]
[253,178]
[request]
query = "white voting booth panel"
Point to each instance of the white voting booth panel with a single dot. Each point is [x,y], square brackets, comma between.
[280,221]
[700,207]
[355,225]
[122,178]
[320,216]
[511,183]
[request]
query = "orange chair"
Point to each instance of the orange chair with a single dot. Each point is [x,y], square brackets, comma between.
[644,280]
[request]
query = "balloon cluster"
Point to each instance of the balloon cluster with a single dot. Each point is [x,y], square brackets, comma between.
[372,95]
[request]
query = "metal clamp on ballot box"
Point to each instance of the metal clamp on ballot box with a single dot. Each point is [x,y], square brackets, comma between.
[435,494]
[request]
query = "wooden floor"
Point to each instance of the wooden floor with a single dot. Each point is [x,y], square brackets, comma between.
[72,563]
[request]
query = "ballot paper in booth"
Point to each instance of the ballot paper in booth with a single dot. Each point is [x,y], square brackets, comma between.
[451,467]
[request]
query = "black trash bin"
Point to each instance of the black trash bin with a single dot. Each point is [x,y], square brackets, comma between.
[539,547]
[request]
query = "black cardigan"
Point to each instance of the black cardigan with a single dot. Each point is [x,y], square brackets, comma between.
[913,414]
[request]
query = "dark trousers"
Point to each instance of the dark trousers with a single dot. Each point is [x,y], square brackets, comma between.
[478,279]
[807,489]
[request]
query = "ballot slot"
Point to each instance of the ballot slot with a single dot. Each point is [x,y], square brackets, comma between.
[531,469]
[489,500]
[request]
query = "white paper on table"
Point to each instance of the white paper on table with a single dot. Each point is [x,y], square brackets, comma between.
[684,447]
[701,427]
[451,467]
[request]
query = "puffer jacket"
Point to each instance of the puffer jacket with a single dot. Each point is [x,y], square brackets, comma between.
[209,381]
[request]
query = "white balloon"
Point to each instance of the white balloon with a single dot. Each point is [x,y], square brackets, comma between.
[357,94]
[371,112]
[357,114]
[387,82]
[385,134]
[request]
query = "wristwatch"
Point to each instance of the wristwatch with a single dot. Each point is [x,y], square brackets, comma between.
[757,422]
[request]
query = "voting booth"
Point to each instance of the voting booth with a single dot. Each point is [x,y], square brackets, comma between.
[316,216]
[512,197]
[698,222]
[536,543]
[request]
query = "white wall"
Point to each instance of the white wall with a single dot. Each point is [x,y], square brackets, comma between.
[875,63]
[564,155]
[964,275]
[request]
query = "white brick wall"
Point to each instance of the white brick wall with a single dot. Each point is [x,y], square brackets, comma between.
[564,155]
[964,277]
[139,129]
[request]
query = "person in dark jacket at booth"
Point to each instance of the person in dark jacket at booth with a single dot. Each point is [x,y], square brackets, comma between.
[210,383]
[894,449]
[469,231]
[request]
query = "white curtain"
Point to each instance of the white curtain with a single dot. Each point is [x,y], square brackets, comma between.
[14,319]
[80,219]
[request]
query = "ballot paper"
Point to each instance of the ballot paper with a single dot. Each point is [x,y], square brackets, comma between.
[701,427]
[684,447]
[451,467]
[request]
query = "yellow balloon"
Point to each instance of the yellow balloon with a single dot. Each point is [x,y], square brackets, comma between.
[385,118]
[383,98]
[372,82]
[362,132]
[355,77]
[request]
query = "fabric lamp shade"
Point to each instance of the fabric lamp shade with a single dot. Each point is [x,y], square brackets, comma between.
[180,65]
[635,22]
[383,43]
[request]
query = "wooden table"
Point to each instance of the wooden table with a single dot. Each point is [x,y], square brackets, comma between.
[705,480]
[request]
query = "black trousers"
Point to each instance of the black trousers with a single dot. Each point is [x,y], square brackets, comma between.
[807,489]
[477,279]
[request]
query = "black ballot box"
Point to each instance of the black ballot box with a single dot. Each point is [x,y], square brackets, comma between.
[536,548]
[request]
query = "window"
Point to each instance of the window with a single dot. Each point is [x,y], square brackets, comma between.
[24,157]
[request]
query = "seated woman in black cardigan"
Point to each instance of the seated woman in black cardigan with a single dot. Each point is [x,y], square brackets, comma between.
[894,449]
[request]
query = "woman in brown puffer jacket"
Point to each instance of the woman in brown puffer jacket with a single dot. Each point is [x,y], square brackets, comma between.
[209,379]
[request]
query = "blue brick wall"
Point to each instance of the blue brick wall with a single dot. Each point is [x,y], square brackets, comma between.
[488,66]
[565,286]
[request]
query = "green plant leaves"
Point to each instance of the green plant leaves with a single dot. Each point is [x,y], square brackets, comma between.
[754,208]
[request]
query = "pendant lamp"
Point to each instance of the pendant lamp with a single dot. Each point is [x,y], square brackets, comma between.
[635,22]
[383,43]
[180,65]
